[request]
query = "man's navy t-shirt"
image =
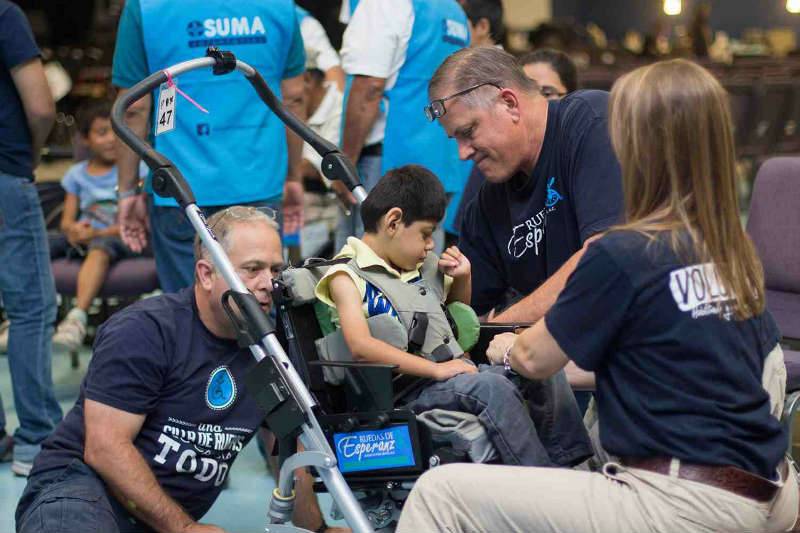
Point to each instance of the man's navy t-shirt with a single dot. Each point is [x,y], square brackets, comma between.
[158,359]
[518,233]
[17,46]
[677,375]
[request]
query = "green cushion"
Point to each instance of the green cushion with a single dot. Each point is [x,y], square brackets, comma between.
[324,316]
[468,327]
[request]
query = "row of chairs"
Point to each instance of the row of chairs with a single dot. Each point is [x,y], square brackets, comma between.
[765,103]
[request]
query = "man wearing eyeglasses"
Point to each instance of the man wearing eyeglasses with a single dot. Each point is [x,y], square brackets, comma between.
[552,178]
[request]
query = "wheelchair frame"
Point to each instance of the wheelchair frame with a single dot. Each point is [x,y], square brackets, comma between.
[290,408]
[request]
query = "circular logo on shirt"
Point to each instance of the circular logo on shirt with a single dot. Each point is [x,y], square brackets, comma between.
[221,389]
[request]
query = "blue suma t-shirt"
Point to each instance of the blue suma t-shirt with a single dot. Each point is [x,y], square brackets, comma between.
[676,374]
[157,358]
[17,46]
[518,233]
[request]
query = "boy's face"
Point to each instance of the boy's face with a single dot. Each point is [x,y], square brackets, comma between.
[411,244]
[101,141]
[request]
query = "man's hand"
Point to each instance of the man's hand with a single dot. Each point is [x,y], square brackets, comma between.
[499,347]
[343,193]
[449,369]
[454,263]
[292,207]
[133,222]
[202,528]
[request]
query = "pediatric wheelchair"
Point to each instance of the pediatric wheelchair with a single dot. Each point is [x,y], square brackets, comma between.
[381,446]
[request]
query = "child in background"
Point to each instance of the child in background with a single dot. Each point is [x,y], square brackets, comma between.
[88,221]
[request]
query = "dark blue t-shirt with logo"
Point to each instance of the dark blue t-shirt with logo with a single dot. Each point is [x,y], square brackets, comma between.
[518,233]
[677,375]
[17,46]
[158,359]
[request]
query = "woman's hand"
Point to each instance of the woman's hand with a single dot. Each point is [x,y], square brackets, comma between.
[500,346]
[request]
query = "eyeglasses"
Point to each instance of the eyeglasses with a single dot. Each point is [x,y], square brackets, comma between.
[436,108]
[548,91]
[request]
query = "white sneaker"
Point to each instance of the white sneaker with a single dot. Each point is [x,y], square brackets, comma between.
[69,335]
[21,468]
[4,325]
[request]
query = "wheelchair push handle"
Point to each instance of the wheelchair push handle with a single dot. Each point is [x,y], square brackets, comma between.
[169,182]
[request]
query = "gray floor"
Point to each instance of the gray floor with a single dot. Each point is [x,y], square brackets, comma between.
[240,509]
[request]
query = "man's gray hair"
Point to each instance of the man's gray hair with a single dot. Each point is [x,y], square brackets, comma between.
[223,221]
[471,66]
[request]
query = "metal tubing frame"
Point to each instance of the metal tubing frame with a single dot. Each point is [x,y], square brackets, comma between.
[312,436]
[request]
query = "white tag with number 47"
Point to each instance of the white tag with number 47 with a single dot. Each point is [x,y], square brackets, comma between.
[165,118]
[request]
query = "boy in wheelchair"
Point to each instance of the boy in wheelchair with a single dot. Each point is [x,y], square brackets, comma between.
[389,293]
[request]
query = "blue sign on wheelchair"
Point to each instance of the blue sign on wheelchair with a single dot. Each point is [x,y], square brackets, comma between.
[374,450]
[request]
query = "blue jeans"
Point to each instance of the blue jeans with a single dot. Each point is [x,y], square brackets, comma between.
[71,499]
[549,432]
[173,242]
[28,292]
[369,170]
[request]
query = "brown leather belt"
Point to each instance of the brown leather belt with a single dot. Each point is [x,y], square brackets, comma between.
[728,478]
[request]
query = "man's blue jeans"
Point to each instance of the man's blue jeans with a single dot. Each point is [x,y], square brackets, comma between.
[72,499]
[173,241]
[28,292]
[550,432]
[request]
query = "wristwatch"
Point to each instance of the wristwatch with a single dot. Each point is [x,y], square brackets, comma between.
[137,190]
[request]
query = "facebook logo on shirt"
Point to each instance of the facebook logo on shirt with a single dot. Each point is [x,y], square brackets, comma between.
[455,32]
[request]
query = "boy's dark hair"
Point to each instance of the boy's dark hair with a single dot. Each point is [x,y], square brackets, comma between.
[412,188]
[491,10]
[559,61]
[88,112]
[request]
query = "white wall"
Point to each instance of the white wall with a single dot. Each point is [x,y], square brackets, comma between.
[525,14]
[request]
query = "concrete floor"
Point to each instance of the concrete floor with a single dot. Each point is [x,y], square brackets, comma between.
[241,508]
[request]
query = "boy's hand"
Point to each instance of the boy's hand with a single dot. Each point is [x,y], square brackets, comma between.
[453,368]
[80,232]
[454,263]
